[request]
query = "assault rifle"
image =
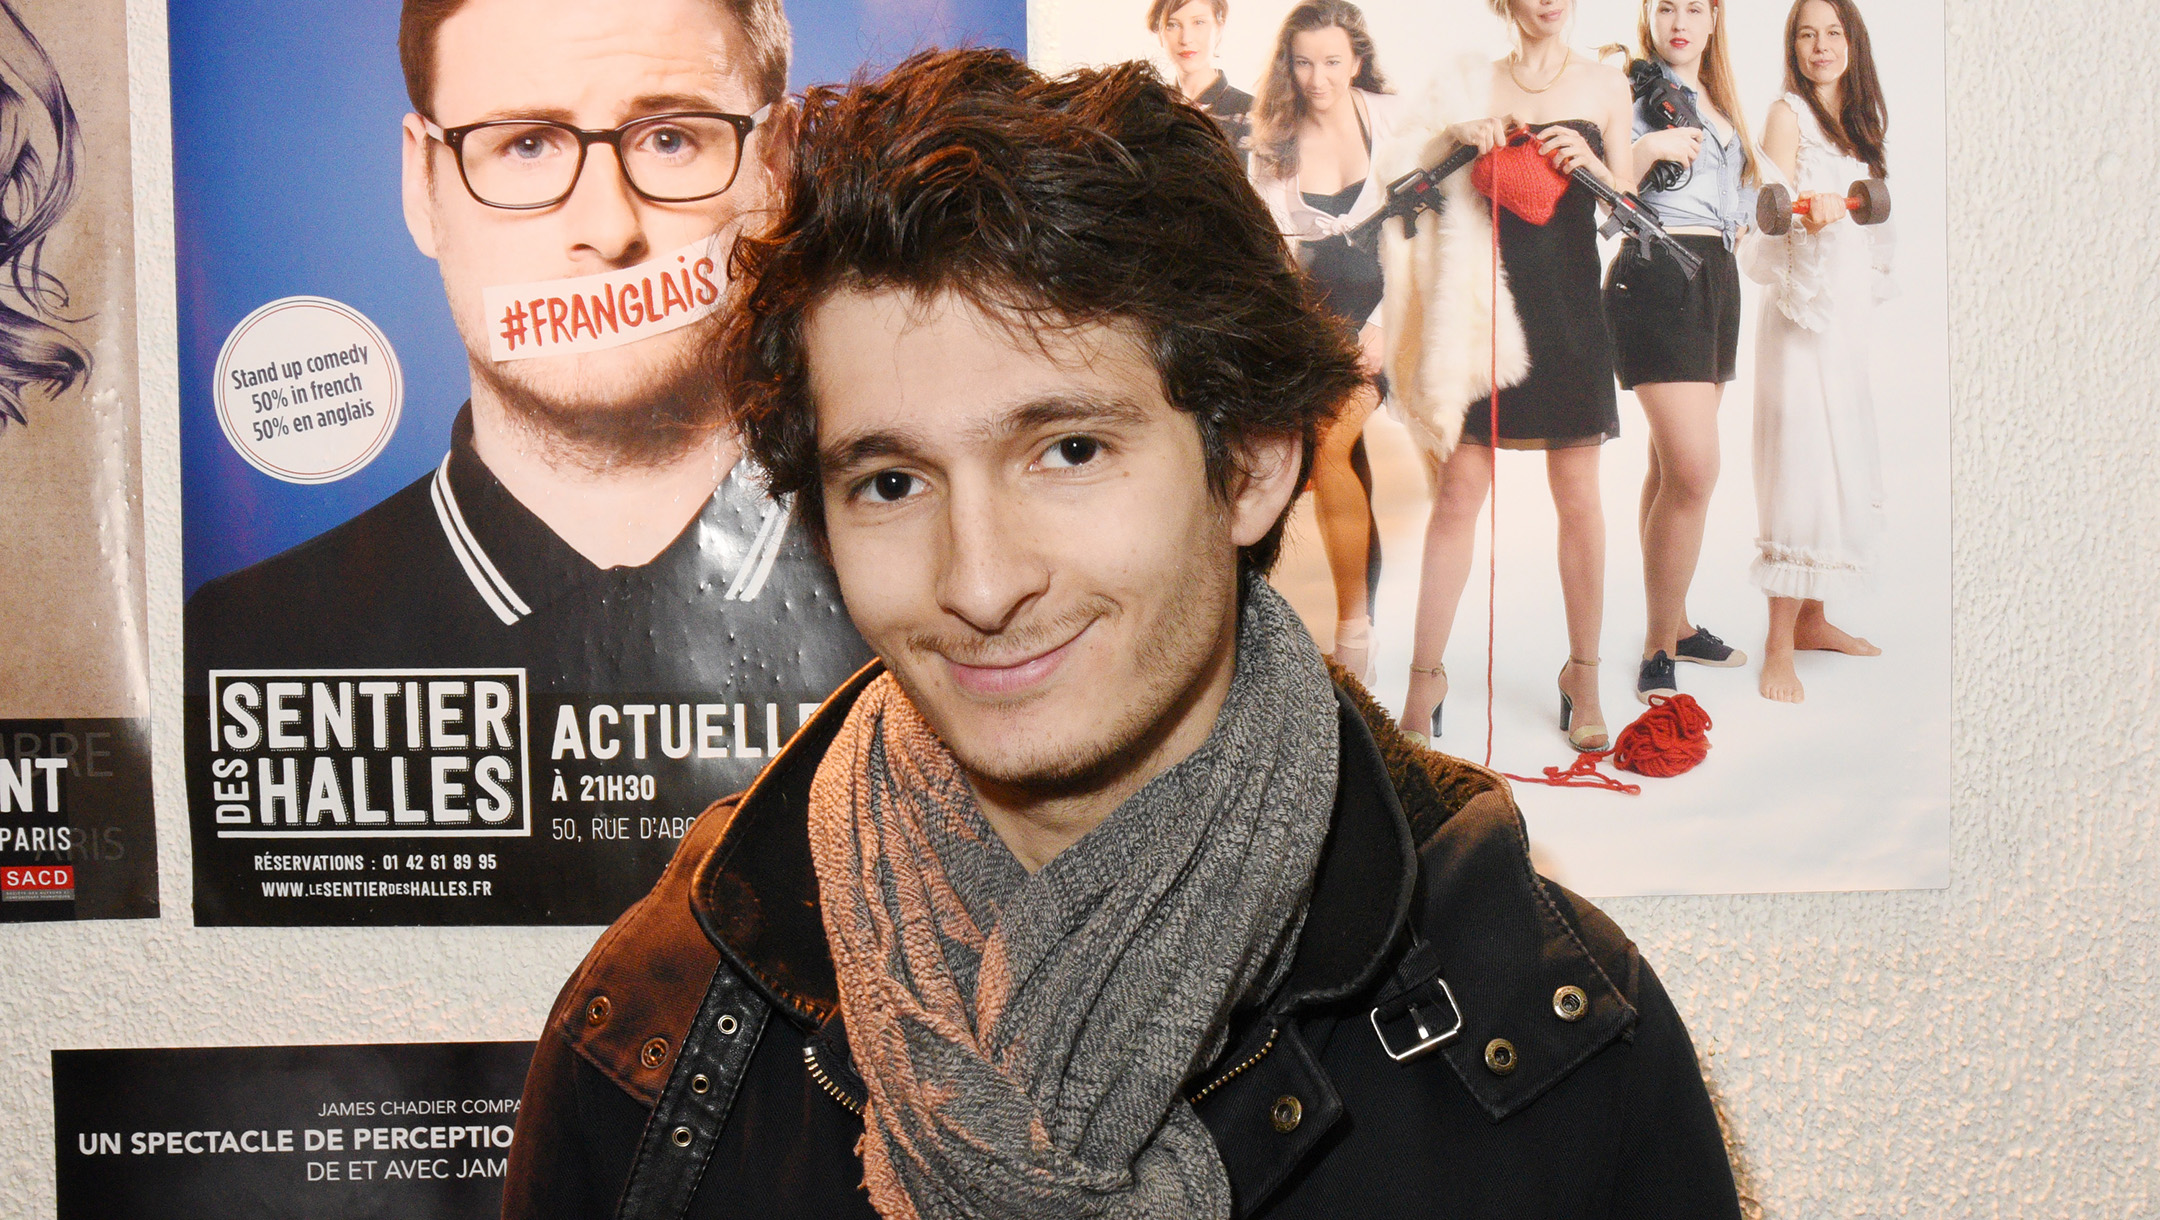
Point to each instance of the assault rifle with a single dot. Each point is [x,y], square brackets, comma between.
[1419,191]
[1414,192]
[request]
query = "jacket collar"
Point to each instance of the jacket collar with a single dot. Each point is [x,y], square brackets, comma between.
[756,894]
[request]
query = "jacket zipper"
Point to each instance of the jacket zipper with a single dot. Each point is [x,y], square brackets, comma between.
[826,1082]
[1237,1071]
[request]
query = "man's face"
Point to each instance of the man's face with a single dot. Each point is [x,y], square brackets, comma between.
[1024,530]
[594,64]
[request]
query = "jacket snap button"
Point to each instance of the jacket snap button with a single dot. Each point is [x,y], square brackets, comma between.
[596,1013]
[1286,1114]
[727,1025]
[1500,1056]
[654,1053]
[681,1136]
[1570,1004]
[700,1085]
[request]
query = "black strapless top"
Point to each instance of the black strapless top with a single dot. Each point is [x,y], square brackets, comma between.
[1554,271]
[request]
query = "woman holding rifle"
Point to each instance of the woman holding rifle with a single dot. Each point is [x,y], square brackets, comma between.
[1581,116]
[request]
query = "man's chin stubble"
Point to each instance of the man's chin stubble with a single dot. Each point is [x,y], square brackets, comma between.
[604,427]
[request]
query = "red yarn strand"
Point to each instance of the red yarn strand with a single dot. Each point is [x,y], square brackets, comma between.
[1669,739]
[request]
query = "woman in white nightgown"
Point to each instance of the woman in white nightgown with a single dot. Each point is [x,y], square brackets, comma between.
[1818,464]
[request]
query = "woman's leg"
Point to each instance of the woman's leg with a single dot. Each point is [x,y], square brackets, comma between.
[1780,681]
[1676,502]
[1573,476]
[1814,632]
[1450,542]
[1345,516]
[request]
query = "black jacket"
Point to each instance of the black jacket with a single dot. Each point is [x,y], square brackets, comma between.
[700,1040]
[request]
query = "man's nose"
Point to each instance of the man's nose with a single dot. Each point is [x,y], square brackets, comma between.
[993,568]
[604,216]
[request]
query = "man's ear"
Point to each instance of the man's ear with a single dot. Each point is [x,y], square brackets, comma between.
[1265,483]
[418,185]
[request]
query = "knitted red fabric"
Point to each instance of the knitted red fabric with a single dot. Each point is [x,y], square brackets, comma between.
[1519,178]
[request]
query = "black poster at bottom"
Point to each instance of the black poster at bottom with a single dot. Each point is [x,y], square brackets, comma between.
[418,1131]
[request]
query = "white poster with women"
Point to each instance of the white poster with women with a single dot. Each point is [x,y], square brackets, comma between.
[1703,580]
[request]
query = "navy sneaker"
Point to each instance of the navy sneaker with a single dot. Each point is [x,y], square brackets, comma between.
[1656,677]
[1702,648]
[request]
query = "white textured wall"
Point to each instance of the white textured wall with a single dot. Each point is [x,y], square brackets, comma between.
[1987,1050]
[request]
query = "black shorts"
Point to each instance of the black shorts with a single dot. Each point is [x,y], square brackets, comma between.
[1667,327]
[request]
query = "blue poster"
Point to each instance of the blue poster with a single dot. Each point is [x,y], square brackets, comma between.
[482,608]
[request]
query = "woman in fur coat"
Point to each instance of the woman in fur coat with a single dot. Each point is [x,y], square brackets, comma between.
[1554,352]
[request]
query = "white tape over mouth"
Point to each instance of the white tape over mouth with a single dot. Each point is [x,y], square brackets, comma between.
[591,313]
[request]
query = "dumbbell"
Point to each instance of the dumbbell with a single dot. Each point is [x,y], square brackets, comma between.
[1868,204]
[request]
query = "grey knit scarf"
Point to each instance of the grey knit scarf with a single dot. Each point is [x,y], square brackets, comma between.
[1024,1037]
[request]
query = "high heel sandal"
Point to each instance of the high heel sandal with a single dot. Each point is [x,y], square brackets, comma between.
[1439,671]
[1588,738]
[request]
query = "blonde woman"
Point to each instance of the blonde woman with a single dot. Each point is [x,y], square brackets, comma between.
[1322,109]
[1675,338]
[1581,116]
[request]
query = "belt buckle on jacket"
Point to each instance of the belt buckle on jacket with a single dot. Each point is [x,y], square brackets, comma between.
[1429,1008]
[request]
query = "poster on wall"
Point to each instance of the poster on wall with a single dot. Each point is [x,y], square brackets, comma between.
[483,609]
[418,1131]
[1745,470]
[77,839]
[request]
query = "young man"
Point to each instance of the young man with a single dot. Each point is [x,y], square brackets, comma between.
[591,527]
[1096,897]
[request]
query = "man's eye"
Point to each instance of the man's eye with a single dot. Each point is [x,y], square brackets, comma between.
[1072,451]
[887,486]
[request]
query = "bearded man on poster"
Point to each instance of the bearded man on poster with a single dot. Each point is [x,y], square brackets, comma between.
[1099,896]
[550,140]
[593,522]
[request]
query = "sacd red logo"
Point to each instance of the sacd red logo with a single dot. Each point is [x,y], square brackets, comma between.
[36,882]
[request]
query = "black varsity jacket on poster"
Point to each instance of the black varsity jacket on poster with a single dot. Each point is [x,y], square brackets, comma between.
[1456,1037]
[447,626]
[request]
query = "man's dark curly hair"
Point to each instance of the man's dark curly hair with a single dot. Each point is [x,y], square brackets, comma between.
[1097,197]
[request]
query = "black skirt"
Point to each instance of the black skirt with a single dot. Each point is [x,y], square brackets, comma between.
[1553,270]
[1667,327]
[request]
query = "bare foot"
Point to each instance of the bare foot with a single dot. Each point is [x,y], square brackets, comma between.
[1815,633]
[1780,682]
[1579,683]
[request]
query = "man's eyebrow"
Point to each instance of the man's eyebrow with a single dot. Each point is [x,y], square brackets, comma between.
[1069,410]
[648,104]
[1032,415]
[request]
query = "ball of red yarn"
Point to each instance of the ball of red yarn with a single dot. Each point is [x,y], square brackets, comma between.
[1667,740]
